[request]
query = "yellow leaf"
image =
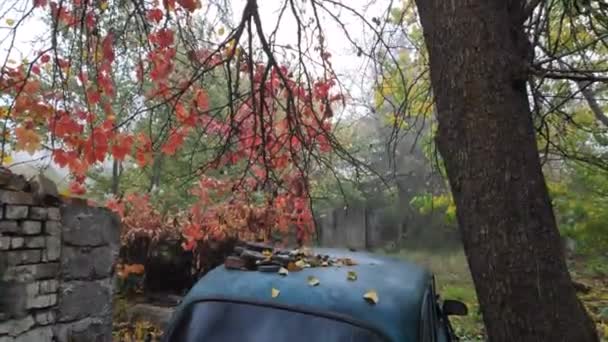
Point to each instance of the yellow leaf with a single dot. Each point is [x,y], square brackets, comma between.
[301,264]
[275,293]
[221,31]
[283,271]
[103,5]
[7,160]
[352,275]
[267,253]
[371,297]
[313,281]
[10,22]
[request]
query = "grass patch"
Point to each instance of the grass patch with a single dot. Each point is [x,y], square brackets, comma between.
[454,282]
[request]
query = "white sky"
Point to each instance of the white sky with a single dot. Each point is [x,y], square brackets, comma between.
[32,35]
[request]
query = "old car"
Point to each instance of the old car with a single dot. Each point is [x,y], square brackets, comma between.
[324,295]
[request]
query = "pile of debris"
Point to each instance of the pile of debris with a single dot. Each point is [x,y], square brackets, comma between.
[251,256]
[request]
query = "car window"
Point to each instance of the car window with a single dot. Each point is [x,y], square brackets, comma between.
[226,321]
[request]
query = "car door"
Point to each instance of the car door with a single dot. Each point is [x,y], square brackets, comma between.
[434,326]
[428,316]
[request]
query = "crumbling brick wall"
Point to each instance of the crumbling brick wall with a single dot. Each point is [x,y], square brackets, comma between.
[56,267]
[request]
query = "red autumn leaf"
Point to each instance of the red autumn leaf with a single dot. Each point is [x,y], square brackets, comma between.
[96,147]
[77,188]
[202,100]
[175,141]
[90,21]
[163,38]
[116,206]
[122,146]
[169,4]
[108,48]
[61,158]
[161,66]
[40,3]
[66,126]
[155,15]
[190,5]
[93,96]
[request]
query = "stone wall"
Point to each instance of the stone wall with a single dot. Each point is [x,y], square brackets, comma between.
[56,268]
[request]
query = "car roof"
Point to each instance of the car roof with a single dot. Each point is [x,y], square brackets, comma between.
[400,286]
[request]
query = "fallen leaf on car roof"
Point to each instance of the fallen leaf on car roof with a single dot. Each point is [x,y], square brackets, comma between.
[274,293]
[313,281]
[352,275]
[283,271]
[371,297]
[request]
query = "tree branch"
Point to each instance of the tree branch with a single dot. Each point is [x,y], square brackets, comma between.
[568,75]
[595,107]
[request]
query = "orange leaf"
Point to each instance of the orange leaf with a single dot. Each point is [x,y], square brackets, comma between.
[143,154]
[31,87]
[27,139]
[183,116]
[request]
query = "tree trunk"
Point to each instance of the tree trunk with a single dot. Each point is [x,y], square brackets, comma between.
[115,177]
[478,54]
[156,172]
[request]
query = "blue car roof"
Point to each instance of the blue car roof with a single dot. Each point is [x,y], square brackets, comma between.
[400,286]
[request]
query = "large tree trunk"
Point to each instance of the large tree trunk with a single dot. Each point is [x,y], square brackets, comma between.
[478,54]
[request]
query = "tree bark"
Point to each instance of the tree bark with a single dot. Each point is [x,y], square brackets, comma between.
[479,55]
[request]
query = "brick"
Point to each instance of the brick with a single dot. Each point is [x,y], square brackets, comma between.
[26,273]
[49,286]
[16,197]
[23,257]
[35,242]
[16,327]
[38,213]
[41,301]
[15,212]
[32,289]
[45,317]
[9,227]
[31,227]
[52,227]
[53,248]
[5,243]
[40,334]
[53,214]
[17,242]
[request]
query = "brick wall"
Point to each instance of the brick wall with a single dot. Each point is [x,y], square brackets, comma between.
[56,268]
